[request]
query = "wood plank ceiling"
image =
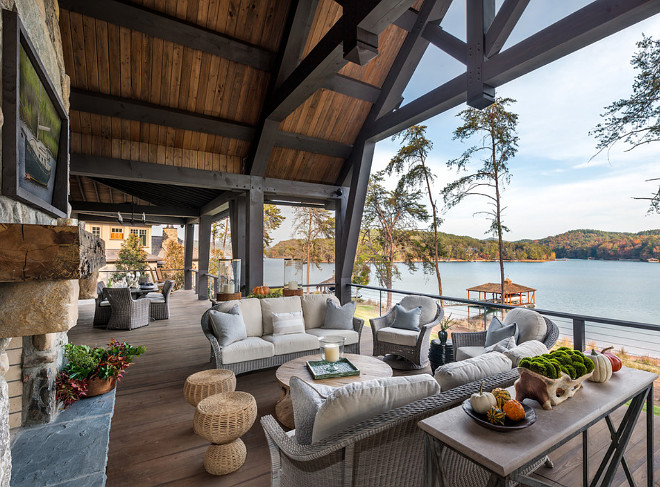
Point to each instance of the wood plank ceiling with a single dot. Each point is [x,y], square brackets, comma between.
[103,58]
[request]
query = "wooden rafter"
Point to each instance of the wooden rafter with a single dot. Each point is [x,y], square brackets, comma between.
[88,207]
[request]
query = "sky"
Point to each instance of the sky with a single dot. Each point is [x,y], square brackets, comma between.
[557,184]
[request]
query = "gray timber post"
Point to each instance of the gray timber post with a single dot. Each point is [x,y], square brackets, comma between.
[238,222]
[340,218]
[188,256]
[204,255]
[255,234]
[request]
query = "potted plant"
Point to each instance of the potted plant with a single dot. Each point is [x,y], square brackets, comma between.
[445,324]
[91,371]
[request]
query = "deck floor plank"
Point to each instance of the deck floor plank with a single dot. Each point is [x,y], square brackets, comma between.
[152,441]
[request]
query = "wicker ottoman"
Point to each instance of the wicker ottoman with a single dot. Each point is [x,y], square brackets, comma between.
[222,419]
[207,383]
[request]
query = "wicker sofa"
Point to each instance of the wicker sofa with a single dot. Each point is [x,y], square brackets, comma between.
[261,349]
[384,451]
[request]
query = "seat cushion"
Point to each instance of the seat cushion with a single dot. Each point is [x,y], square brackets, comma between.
[156,300]
[531,348]
[458,373]
[228,327]
[428,305]
[296,342]
[288,323]
[251,311]
[465,353]
[351,336]
[314,306]
[531,325]
[406,319]
[339,317]
[398,336]
[352,403]
[251,348]
[290,304]
[497,331]
[154,295]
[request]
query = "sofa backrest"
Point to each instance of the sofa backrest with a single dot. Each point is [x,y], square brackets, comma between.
[289,304]
[314,307]
[251,311]
[531,325]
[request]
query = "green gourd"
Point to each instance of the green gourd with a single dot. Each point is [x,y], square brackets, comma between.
[495,416]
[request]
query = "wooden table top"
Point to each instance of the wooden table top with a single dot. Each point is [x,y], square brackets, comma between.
[505,452]
[370,368]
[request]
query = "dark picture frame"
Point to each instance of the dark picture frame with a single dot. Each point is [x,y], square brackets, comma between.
[35,135]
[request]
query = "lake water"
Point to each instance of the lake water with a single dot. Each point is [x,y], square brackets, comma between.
[610,289]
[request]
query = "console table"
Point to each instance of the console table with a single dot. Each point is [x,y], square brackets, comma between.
[507,455]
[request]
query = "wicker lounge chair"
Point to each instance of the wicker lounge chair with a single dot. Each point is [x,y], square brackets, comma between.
[384,451]
[160,303]
[415,349]
[102,309]
[127,313]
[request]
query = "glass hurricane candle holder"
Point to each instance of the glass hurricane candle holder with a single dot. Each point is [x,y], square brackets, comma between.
[332,350]
[293,273]
[229,273]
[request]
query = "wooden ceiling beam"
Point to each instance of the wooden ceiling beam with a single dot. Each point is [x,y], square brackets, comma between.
[88,207]
[480,15]
[171,29]
[218,205]
[590,24]
[291,140]
[80,187]
[352,87]
[506,19]
[151,220]
[442,39]
[301,24]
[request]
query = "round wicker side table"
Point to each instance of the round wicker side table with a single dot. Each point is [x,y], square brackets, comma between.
[207,383]
[222,419]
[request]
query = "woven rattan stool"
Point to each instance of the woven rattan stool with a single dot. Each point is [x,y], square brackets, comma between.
[222,419]
[207,383]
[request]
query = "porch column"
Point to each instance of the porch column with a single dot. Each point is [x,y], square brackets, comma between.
[204,255]
[340,218]
[238,222]
[188,256]
[255,234]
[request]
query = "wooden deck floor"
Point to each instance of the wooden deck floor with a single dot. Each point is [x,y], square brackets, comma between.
[152,442]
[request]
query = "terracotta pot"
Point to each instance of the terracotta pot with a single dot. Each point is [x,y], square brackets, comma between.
[96,386]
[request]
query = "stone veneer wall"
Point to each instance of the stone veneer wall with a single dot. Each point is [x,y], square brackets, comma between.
[41,21]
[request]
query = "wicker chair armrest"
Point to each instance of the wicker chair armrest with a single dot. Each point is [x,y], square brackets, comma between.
[382,321]
[553,333]
[358,324]
[142,305]
[217,348]
[425,331]
[470,339]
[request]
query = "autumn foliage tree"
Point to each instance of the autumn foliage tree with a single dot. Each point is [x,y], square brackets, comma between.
[131,256]
[174,259]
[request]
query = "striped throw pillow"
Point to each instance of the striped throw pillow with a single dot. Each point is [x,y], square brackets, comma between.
[287,323]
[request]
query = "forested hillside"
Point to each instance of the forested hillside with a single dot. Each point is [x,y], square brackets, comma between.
[596,244]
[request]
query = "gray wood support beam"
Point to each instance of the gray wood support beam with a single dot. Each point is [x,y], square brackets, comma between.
[340,254]
[188,243]
[128,208]
[217,205]
[151,220]
[255,237]
[352,87]
[298,32]
[204,254]
[596,21]
[506,19]
[305,143]
[442,39]
[480,14]
[238,223]
[158,25]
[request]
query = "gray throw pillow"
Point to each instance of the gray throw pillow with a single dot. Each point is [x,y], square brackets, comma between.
[406,319]
[306,401]
[502,346]
[228,327]
[339,317]
[498,332]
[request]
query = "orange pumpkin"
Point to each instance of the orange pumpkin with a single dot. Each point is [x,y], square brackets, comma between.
[513,410]
[261,290]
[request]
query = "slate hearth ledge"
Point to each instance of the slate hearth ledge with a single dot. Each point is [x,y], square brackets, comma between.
[72,451]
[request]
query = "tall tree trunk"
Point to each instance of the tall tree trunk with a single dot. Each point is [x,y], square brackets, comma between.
[498,218]
[435,230]
[224,238]
[309,242]
[390,272]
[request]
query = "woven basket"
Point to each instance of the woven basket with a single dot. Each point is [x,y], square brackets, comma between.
[224,459]
[207,383]
[223,417]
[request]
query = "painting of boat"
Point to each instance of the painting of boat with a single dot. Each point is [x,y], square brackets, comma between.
[38,161]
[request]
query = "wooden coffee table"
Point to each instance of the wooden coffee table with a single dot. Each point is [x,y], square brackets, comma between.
[370,368]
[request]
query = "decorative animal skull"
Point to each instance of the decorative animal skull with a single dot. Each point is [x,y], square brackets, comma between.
[548,392]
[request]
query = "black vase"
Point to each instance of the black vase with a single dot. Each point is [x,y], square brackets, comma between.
[442,336]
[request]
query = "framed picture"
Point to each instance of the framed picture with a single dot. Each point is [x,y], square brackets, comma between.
[35,135]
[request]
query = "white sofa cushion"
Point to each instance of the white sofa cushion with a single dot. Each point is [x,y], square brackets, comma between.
[251,311]
[290,304]
[295,342]
[351,336]
[458,373]
[352,403]
[531,348]
[252,348]
[313,307]
[156,300]
[465,353]
[288,323]
[531,325]
[398,336]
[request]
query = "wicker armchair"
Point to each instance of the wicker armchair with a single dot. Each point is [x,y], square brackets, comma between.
[417,353]
[478,338]
[127,313]
[384,451]
[160,304]
[102,309]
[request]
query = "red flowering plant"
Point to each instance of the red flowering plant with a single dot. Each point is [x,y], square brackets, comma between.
[85,363]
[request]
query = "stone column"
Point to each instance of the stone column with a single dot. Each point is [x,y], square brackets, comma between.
[5,451]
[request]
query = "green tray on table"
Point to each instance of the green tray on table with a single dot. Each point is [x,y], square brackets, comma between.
[320,369]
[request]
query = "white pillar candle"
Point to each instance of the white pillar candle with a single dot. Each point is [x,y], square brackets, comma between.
[331,352]
[227,289]
[293,285]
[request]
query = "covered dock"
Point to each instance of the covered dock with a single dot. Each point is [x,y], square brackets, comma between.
[514,294]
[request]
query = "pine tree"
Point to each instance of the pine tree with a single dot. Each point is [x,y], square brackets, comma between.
[131,256]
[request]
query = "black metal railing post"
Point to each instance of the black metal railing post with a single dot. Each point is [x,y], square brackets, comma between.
[579,335]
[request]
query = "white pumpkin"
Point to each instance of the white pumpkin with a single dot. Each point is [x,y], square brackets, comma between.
[602,367]
[482,401]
